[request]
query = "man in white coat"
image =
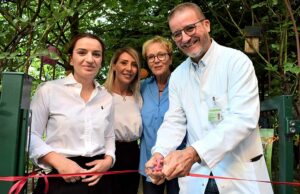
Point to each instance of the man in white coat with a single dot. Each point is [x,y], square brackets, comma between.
[214,100]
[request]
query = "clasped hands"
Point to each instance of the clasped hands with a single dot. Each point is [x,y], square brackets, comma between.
[70,167]
[176,164]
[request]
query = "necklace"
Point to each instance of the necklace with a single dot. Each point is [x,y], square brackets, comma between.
[124,97]
[123,94]
[161,88]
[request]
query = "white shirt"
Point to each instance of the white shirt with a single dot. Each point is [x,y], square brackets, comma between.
[128,122]
[224,78]
[64,123]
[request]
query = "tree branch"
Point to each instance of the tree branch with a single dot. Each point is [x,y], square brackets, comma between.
[289,8]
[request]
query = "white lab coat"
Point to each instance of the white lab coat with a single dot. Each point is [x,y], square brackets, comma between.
[223,78]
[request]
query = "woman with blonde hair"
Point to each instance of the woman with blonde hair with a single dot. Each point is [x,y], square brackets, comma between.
[157,51]
[123,83]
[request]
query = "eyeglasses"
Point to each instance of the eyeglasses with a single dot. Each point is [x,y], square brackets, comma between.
[160,57]
[188,30]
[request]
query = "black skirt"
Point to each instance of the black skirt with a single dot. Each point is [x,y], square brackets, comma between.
[57,185]
[127,158]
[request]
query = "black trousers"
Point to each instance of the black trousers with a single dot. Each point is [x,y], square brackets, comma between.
[211,187]
[171,186]
[127,158]
[59,186]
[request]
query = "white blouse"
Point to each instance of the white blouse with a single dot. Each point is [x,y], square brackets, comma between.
[127,118]
[64,123]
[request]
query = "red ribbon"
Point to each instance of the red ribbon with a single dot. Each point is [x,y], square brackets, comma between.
[239,179]
[21,180]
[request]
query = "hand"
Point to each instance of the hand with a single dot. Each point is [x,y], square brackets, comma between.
[153,169]
[102,165]
[63,165]
[70,167]
[179,163]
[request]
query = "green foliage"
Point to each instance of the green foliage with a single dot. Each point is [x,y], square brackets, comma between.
[130,23]
[271,68]
[28,27]
[292,68]
[276,61]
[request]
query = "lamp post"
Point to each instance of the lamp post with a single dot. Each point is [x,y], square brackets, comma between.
[252,35]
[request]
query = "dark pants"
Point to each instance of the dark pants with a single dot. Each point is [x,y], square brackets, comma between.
[127,158]
[59,186]
[171,186]
[211,187]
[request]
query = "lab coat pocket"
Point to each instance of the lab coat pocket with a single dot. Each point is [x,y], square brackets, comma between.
[249,174]
[261,174]
[239,170]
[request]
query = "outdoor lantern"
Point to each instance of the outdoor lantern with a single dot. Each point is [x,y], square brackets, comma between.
[252,35]
[50,59]
[47,58]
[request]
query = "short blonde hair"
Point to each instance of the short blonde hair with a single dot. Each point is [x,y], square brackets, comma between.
[111,76]
[157,39]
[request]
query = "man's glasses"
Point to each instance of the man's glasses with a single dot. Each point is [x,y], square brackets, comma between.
[160,57]
[189,30]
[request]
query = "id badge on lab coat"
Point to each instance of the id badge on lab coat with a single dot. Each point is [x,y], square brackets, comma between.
[215,113]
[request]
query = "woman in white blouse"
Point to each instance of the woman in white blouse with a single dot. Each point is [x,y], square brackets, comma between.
[123,82]
[72,124]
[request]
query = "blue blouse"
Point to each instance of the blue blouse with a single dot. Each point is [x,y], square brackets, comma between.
[153,111]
